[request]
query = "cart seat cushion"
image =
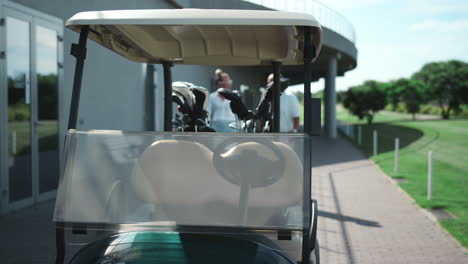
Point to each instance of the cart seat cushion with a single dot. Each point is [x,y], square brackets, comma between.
[179,176]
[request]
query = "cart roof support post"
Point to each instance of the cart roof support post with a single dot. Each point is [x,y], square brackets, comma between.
[167,96]
[149,97]
[276,96]
[309,54]
[59,243]
[79,52]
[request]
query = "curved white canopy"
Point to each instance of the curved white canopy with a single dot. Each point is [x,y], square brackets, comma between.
[201,36]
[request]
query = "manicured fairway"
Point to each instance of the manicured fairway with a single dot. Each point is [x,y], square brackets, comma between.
[344,115]
[448,139]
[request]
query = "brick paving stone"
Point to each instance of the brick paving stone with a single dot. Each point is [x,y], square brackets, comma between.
[365,218]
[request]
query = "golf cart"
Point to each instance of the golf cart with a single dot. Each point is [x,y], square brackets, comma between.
[191,197]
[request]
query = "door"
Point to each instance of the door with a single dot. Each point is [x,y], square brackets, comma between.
[46,126]
[32,53]
[19,132]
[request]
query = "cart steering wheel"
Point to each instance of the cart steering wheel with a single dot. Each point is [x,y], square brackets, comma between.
[248,166]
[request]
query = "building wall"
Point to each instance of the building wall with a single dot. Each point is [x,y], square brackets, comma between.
[113,87]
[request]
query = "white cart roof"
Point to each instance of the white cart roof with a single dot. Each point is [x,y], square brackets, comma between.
[201,36]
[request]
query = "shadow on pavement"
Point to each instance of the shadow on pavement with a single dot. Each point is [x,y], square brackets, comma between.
[342,219]
[327,151]
[345,218]
[346,240]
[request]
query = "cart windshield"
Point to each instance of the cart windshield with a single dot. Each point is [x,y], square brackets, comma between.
[164,180]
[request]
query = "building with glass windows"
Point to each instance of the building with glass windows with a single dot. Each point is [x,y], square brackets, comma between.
[36,75]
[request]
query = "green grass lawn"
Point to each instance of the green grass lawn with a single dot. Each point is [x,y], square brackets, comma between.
[448,139]
[344,115]
[47,135]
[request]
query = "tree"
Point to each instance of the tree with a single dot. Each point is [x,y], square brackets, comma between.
[447,84]
[48,96]
[393,91]
[412,94]
[340,96]
[319,94]
[463,85]
[365,100]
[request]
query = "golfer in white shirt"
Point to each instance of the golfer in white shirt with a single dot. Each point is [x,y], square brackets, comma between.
[289,116]
[218,107]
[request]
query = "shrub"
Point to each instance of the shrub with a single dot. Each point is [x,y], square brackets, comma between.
[401,108]
[19,112]
[430,110]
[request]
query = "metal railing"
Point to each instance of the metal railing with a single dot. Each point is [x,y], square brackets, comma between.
[326,16]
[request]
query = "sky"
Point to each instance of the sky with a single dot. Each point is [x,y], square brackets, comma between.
[395,38]
[18,45]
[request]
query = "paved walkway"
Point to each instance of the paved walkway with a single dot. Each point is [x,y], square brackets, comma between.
[28,236]
[365,218]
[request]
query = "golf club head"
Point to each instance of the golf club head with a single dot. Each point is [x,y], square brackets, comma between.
[233,125]
[263,108]
[237,106]
[201,96]
[284,83]
[180,100]
[201,102]
[183,88]
[228,94]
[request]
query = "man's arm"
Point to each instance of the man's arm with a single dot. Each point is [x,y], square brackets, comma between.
[296,123]
[295,112]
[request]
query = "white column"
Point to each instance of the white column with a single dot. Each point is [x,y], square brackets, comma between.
[397,155]
[13,142]
[330,97]
[429,176]
[359,140]
[375,143]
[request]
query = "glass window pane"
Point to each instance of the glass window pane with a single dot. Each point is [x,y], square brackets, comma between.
[19,112]
[47,92]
